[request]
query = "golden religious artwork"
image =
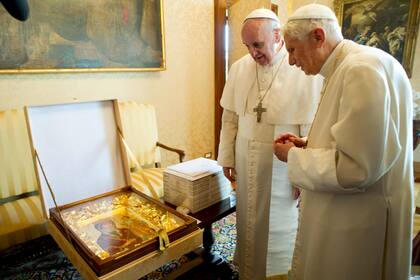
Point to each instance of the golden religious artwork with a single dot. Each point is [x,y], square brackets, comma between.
[106,228]
[117,227]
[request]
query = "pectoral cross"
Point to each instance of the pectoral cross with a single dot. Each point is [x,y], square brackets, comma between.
[259,109]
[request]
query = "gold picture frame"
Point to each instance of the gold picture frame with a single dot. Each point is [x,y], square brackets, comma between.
[390,25]
[84,36]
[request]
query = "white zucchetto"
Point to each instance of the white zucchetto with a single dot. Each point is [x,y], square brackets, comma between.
[313,11]
[262,13]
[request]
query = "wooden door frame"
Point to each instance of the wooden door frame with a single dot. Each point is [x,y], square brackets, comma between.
[220,7]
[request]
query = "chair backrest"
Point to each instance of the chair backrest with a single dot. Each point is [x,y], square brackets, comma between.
[140,131]
[17,174]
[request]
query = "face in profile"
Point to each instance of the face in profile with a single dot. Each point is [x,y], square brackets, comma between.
[107,226]
[260,39]
[303,54]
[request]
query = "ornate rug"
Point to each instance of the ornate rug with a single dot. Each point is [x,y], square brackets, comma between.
[41,258]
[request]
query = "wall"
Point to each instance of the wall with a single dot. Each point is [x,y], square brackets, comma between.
[182,95]
[284,6]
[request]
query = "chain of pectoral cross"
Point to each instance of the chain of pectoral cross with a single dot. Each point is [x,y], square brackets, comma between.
[259,109]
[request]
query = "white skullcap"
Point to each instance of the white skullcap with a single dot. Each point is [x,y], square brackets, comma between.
[262,13]
[313,11]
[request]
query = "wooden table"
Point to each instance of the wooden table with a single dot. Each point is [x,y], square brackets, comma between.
[210,215]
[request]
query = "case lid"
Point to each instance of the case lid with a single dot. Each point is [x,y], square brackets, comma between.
[79,148]
[194,169]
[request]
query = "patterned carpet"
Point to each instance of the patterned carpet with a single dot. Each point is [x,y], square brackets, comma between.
[42,259]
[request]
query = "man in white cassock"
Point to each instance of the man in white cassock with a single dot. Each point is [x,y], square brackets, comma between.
[263,97]
[356,168]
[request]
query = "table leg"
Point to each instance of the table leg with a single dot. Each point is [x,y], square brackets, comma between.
[208,241]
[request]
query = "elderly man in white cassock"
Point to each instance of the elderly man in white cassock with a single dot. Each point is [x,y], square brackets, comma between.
[355,169]
[263,96]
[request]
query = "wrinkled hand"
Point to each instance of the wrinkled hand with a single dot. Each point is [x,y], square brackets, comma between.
[230,173]
[282,150]
[290,137]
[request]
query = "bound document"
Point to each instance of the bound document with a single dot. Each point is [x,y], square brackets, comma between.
[195,184]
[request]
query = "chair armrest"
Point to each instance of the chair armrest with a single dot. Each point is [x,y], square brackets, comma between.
[180,153]
[17,197]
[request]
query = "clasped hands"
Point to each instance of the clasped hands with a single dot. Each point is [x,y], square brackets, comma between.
[281,146]
[284,142]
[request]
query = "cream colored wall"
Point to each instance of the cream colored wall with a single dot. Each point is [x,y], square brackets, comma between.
[283,9]
[183,94]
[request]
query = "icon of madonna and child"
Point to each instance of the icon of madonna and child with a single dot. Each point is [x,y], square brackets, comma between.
[115,225]
[118,234]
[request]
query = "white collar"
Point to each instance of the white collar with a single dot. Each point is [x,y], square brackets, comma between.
[331,62]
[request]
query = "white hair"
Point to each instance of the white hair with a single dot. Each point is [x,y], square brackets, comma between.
[300,29]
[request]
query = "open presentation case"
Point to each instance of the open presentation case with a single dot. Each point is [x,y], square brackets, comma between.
[106,228]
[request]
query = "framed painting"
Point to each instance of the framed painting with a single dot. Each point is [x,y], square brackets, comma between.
[84,36]
[390,25]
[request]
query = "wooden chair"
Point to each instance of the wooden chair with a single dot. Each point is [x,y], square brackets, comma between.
[140,132]
[21,216]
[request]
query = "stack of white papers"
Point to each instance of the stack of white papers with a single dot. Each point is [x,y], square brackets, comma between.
[195,184]
[195,169]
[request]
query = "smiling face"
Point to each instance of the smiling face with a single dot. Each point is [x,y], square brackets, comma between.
[261,40]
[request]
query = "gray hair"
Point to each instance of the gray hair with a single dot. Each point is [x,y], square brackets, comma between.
[299,29]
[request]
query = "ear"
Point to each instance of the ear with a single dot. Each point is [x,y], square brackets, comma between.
[317,36]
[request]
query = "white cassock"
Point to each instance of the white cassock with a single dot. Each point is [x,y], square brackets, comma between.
[356,172]
[247,145]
